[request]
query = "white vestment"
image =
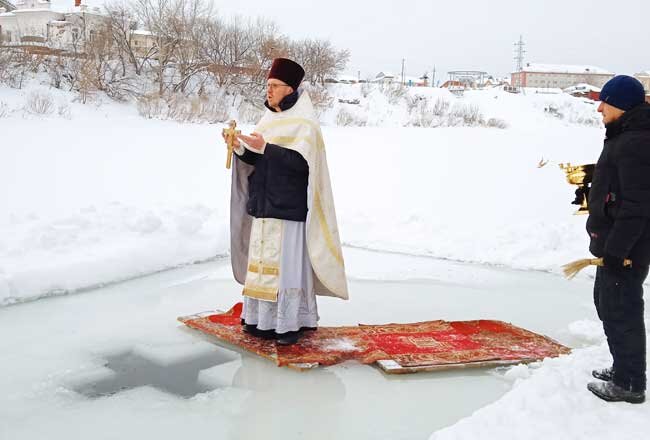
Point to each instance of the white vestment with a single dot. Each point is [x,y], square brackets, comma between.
[296,301]
[283,264]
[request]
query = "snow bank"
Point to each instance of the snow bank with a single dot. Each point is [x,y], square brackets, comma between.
[550,400]
[392,106]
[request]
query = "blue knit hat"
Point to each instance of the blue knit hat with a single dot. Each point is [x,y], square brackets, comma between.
[623,92]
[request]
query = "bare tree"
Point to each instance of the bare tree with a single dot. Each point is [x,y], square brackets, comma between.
[268,44]
[160,17]
[6,62]
[226,47]
[188,27]
[123,22]
[23,64]
[319,58]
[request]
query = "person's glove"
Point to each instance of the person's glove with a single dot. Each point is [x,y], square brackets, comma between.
[614,263]
[582,193]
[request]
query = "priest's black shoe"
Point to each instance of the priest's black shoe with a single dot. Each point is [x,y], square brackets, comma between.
[611,392]
[249,328]
[308,329]
[266,334]
[606,374]
[288,338]
[252,329]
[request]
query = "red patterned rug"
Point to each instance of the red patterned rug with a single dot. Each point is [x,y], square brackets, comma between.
[397,348]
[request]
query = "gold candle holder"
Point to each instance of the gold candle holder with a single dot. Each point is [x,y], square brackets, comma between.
[581,176]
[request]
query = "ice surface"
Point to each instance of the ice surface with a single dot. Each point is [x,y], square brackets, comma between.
[113,362]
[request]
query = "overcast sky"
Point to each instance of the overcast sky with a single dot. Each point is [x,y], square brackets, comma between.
[464,35]
[470,34]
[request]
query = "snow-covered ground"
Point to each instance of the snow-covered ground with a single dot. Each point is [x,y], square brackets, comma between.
[94,194]
[104,195]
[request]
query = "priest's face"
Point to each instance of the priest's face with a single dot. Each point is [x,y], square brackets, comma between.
[276,90]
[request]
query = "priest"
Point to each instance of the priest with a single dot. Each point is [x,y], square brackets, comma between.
[285,245]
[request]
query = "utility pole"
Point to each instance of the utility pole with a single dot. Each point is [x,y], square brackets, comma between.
[519,58]
[433,76]
[403,60]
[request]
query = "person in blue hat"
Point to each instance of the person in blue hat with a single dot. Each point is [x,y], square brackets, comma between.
[619,229]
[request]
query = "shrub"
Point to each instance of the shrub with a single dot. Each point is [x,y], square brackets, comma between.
[320,98]
[344,118]
[40,103]
[440,107]
[497,123]
[150,106]
[249,113]
[395,92]
[64,110]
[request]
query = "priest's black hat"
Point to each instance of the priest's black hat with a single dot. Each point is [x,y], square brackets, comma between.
[287,71]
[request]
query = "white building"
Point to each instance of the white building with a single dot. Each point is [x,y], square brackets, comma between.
[143,42]
[384,78]
[6,6]
[29,22]
[35,22]
[559,76]
[644,77]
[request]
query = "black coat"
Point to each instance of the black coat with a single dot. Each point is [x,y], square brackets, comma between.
[619,199]
[277,188]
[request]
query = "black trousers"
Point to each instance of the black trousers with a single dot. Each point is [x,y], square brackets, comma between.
[618,296]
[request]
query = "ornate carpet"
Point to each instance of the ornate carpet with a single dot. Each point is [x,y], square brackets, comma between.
[396,348]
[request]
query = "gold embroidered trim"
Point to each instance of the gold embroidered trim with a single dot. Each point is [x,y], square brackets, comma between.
[285,121]
[290,140]
[263,293]
[329,240]
[266,270]
[294,121]
[270,271]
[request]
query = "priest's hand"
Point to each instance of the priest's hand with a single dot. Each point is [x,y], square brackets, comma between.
[235,141]
[255,141]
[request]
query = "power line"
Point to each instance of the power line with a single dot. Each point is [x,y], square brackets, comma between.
[519,58]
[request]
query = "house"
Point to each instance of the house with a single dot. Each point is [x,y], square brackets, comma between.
[143,42]
[452,84]
[343,79]
[36,23]
[6,6]
[385,78]
[416,81]
[559,76]
[644,77]
[584,91]
[28,22]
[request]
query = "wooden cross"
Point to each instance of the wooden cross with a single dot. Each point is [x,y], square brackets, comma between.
[230,134]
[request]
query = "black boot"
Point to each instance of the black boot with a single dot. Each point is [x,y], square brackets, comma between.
[288,338]
[308,329]
[606,374]
[252,329]
[266,334]
[249,328]
[611,392]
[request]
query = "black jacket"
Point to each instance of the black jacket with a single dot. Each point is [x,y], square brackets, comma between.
[619,199]
[277,188]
